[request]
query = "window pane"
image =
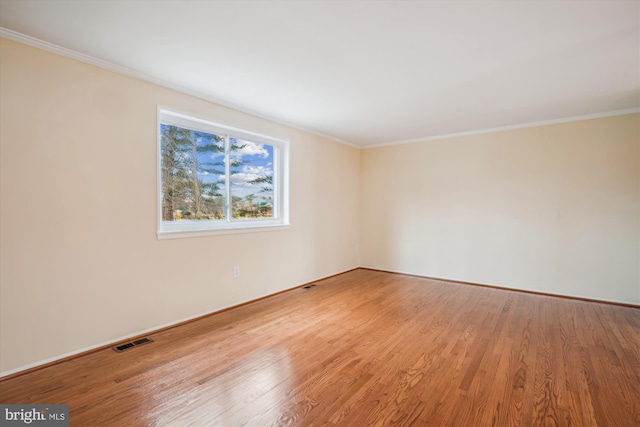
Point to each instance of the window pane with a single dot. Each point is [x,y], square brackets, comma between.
[193,184]
[251,169]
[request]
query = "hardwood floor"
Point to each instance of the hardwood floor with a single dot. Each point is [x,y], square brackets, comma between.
[366,348]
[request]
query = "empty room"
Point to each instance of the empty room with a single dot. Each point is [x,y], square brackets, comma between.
[306,213]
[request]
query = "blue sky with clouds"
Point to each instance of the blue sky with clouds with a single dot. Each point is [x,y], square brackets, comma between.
[256,162]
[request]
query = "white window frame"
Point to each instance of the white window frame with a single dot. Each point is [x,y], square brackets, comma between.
[189,228]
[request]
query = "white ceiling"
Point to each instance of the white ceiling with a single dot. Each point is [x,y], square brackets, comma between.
[364,72]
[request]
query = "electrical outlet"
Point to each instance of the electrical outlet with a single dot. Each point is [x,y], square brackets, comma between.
[236,271]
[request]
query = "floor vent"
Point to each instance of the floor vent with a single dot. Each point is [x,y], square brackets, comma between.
[126,346]
[310,286]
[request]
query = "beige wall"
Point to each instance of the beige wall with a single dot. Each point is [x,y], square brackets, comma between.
[80,261]
[552,208]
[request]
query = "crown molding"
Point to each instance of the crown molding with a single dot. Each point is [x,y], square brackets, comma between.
[511,127]
[106,65]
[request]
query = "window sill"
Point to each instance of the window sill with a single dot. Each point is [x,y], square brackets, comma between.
[241,228]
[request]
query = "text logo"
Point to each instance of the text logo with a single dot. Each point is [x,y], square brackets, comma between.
[34,415]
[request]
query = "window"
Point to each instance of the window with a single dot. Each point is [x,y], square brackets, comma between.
[216,179]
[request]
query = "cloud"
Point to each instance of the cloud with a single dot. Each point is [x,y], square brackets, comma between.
[249,149]
[260,171]
[250,173]
[243,179]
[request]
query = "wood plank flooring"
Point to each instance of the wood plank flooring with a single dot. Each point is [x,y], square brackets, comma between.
[366,348]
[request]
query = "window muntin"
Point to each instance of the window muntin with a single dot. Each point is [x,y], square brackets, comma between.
[216,179]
